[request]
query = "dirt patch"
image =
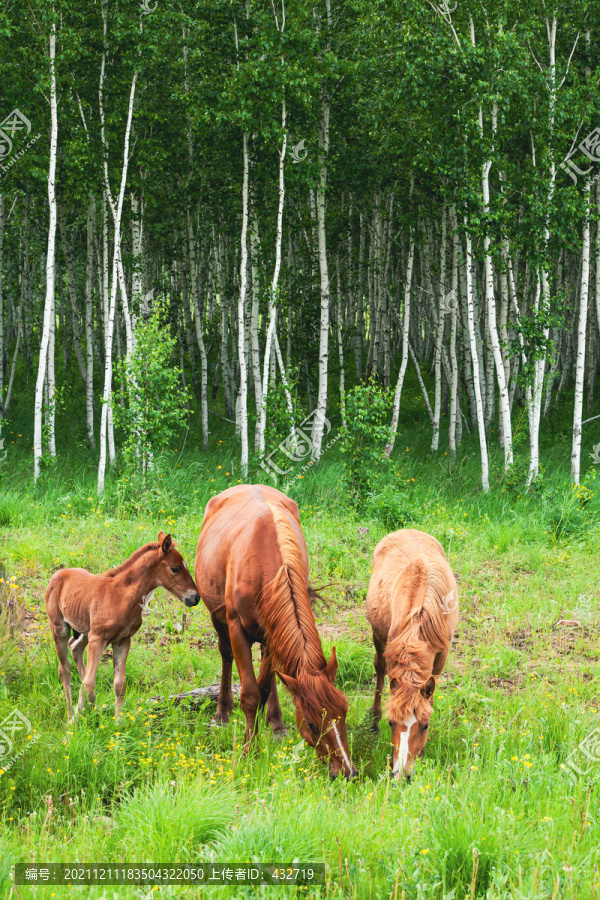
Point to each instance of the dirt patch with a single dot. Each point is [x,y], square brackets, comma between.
[506,685]
[520,639]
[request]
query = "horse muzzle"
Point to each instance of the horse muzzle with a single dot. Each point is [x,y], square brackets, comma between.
[192,599]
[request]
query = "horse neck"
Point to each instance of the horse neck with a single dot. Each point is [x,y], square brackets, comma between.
[134,572]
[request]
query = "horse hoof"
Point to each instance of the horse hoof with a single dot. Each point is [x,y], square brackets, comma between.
[219,722]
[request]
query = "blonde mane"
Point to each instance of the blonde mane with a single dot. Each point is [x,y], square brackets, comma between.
[409,653]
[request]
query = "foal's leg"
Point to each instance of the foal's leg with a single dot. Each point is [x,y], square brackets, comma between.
[225,701]
[380,672]
[120,652]
[249,693]
[267,685]
[78,646]
[61,633]
[97,646]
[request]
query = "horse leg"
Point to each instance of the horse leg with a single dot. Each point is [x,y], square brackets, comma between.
[274,716]
[78,646]
[225,701]
[60,633]
[97,646]
[120,652]
[379,662]
[267,685]
[249,692]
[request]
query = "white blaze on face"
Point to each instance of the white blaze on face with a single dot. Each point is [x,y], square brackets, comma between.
[341,748]
[403,749]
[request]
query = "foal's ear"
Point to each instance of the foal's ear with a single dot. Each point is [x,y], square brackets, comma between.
[165,541]
[332,666]
[290,682]
[429,687]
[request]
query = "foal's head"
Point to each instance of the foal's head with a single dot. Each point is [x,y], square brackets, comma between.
[409,710]
[320,710]
[172,572]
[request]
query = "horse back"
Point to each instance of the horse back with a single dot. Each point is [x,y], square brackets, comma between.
[410,572]
[238,551]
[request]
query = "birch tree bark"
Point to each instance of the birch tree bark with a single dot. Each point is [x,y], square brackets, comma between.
[89,323]
[581,340]
[485,482]
[319,419]
[117,214]
[48,324]
[437,402]
[405,339]
[242,352]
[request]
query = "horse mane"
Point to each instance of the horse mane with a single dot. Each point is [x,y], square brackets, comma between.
[423,634]
[291,631]
[125,566]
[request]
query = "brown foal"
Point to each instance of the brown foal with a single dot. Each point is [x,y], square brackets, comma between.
[107,609]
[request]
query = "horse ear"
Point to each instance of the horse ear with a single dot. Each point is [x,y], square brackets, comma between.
[161,537]
[429,687]
[332,666]
[290,682]
[166,542]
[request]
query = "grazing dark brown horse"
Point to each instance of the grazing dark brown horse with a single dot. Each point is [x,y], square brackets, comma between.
[107,609]
[252,574]
[412,605]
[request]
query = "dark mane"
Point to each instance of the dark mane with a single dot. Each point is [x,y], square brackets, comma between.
[133,559]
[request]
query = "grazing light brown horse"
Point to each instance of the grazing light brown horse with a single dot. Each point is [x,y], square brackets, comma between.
[252,574]
[107,609]
[412,605]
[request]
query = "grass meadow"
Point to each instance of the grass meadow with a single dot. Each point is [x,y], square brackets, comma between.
[491,811]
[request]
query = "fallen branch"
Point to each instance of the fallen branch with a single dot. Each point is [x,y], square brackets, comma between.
[196,697]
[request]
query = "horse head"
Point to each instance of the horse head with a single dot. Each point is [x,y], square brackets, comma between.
[409,710]
[172,572]
[320,710]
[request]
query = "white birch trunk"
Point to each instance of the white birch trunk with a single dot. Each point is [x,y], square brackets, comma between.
[405,352]
[319,419]
[242,353]
[117,210]
[485,483]
[491,307]
[454,411]
[437,402]
[272,298]
[48,324]
[89,324]
[581,340]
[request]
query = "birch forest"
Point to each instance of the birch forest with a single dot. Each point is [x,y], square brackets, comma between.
[307,197]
